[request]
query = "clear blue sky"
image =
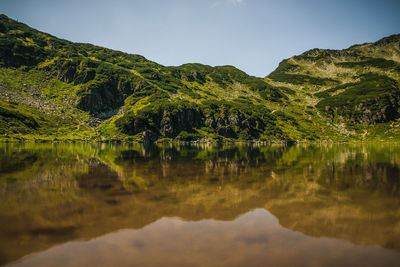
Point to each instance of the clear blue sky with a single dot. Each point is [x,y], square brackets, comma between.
[252,35]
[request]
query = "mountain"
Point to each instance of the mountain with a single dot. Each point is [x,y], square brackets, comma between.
[53,89]
[355,90]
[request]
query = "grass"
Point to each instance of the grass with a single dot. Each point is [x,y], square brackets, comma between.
[58,90]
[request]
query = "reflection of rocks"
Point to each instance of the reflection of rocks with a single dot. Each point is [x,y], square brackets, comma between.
[333,191]
[17,161]
[372,176]
[100,179]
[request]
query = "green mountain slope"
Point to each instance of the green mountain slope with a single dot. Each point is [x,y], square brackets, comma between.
[55,89]
[355,91]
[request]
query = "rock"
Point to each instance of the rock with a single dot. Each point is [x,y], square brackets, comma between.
[166,127]
[226,131]
[149,137]
[234,120]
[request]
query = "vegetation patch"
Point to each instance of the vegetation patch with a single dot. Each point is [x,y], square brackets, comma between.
[373,100]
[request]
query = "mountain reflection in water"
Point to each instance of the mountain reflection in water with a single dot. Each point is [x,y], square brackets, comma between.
[199,205]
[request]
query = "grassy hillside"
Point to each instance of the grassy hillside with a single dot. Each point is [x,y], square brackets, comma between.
[55,89]
[354,91]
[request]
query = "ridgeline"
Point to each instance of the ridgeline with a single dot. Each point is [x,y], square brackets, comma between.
[53,89]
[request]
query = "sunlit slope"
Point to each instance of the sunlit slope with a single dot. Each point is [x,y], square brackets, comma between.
[71,90]
[354,91]
[56,89]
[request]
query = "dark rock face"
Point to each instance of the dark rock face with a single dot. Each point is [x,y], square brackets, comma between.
[387,111]
[149,137]
[170,123]
[166,125]
[226,131]
[101,99]
[375,99]
[73,72]
[230,125]
[163,122]
[100,94]
[370,111]
[184,120]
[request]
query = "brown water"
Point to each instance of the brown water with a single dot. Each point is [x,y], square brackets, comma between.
[119,205]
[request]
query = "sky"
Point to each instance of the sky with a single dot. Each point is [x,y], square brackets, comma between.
[252,35]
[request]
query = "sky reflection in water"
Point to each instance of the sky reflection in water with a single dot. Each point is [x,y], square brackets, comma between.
[82,205]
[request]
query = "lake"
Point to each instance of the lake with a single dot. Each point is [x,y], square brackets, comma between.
[199,205]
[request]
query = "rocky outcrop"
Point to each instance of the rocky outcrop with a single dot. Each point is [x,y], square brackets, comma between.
[172,123]
[373,100]
[101,100]
[387,111]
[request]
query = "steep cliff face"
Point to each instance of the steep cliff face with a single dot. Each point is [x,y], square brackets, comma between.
[189,121]
[81,91]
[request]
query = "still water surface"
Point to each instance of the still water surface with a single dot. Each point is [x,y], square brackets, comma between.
[227,205]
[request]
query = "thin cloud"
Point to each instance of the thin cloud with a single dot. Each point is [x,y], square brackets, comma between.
[215,4]
[230,2]
[236,2]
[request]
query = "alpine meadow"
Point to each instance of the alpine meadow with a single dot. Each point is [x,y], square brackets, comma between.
[208,133]
[53,89]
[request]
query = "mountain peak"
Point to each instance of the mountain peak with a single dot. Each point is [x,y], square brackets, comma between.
[395,38]
[54,88]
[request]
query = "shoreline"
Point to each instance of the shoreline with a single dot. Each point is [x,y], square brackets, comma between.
[185,143]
